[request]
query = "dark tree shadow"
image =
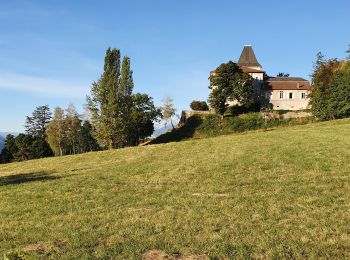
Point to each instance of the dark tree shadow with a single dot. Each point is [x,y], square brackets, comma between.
[27,177]
[185,131]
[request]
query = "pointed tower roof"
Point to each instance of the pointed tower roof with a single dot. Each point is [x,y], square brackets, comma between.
[248,58]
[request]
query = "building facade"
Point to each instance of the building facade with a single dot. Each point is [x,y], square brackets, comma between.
[276,93]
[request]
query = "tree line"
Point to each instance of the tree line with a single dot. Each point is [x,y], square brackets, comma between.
[117,118]
[330,97]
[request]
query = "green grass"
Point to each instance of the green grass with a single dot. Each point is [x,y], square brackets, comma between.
[282,193]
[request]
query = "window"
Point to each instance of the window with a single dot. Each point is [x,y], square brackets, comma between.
[267,94]
[290,95]
[303,95]
[281,95]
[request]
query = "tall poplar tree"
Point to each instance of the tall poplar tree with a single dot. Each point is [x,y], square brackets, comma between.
[119,116]
[103,102]
[125,101]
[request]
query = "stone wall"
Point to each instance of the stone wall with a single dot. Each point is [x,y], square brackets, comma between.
[185,114]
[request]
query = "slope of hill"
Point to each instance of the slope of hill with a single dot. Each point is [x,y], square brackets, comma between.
[282,193]
[203,125]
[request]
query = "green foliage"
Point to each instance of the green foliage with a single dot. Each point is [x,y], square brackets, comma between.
[245,122]
[339,101]
[199,105]
[67,135]
[34,144]
[24,147]
[229,82]
[55,132]
[7,154]
[86,141]
[143,113]
[113,107]
[238,109]
[203,126]
[283,74]
[104,103]
[36,124]
[330,96]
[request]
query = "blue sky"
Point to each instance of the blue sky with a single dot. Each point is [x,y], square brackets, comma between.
[51,51]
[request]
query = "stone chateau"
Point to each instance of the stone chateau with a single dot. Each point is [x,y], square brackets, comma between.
[277,93]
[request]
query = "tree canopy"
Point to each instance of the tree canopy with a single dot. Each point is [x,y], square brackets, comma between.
[330,97]
[228,83]
[113,106]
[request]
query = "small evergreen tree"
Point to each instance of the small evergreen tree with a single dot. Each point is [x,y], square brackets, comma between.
[7,154]
[36,124]
[24,145]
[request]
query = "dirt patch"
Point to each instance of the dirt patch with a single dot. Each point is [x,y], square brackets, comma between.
[161,255]
[211,194]
[44,248]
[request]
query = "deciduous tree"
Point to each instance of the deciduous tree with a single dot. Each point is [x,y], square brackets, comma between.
[103,103]
[55,132]
[114,108]
[283,74]
[168,110]
[229,82]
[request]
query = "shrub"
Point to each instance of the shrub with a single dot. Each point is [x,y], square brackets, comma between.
[199,105]
[245,122]
[239,109]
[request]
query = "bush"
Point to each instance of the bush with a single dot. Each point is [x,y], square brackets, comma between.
[245,122]
[239,109]
[199,106]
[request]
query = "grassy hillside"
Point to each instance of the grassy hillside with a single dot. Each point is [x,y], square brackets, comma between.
[282,193]
[210,125]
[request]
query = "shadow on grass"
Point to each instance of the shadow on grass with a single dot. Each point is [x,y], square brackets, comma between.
[27,177]
[178,134]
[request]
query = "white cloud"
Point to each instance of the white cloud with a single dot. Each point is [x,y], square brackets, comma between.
[44,86]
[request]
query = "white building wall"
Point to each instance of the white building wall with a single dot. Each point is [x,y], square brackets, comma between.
[274,101]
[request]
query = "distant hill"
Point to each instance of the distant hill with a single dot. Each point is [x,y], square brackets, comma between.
[4,134]
[2,143]
[162,130]
[282,193]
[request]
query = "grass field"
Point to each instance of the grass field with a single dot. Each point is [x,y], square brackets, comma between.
[281,193]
